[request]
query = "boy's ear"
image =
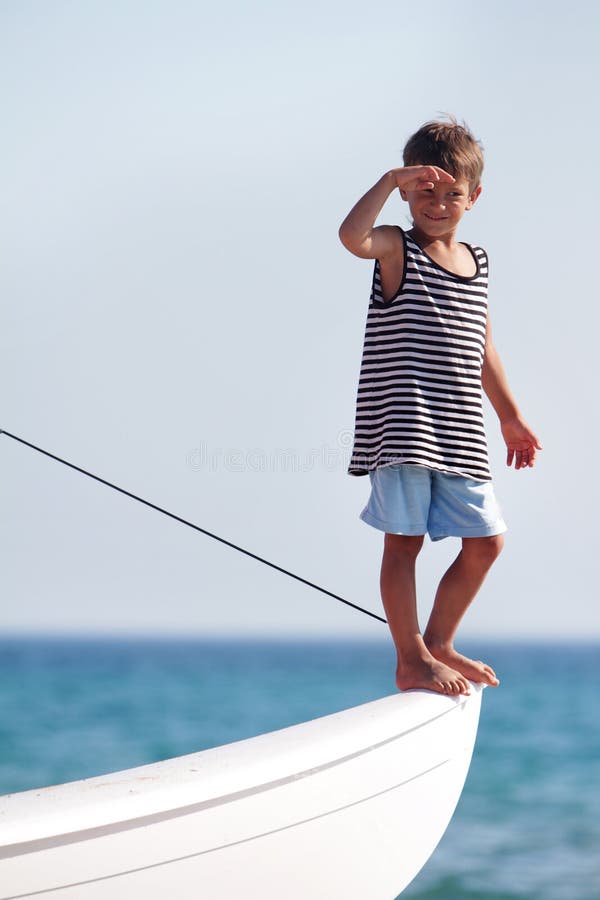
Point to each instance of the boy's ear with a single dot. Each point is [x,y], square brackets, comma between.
[403,193]
[474,197]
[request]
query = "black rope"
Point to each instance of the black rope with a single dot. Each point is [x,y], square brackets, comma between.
[196,527]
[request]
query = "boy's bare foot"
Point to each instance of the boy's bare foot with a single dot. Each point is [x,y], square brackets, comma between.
[430,674]
[474,670]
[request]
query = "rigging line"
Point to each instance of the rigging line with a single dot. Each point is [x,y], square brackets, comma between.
[204,531]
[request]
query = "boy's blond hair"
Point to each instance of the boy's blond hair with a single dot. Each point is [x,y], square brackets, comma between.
[448,145]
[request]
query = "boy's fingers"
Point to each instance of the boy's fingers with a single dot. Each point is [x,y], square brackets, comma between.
[523,457]
[426,177]
[441,174]
[530,453]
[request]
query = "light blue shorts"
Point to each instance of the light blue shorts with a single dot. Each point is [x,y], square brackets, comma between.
[407,499]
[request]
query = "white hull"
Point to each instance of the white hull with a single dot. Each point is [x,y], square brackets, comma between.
[348,806]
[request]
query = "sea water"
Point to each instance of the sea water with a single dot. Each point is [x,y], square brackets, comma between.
[528,823]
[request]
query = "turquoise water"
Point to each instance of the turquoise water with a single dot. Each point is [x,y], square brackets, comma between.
[528,823]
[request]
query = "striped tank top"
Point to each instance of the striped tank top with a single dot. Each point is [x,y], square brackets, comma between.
[419,391]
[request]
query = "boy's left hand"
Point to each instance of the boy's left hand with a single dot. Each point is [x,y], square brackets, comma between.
[521,443]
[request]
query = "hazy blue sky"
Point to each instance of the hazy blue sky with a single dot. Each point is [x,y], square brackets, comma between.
[179,316]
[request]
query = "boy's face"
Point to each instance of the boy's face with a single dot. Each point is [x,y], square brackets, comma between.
[437,211]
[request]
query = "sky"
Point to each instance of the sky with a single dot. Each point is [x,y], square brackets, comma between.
[179,317]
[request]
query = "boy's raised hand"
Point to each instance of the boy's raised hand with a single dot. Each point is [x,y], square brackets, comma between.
[521,443]
[420,178]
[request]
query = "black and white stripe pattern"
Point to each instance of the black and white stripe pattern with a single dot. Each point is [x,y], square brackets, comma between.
[419,392]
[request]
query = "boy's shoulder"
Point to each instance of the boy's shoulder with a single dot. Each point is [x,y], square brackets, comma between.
[394,237]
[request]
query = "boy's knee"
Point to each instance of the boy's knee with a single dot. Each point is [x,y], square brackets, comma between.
[484,550]
[496,543]
[403,544]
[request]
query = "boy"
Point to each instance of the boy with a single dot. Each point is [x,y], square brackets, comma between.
[419,424]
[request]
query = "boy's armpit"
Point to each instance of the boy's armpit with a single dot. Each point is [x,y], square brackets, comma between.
[391,267]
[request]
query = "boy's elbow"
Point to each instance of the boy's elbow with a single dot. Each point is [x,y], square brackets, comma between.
[345,236]
[351,240]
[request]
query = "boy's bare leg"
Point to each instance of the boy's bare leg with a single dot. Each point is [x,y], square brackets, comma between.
[417,667]
[457,589]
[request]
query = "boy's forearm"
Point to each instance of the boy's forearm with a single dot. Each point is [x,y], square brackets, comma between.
[495,385]
[360,220]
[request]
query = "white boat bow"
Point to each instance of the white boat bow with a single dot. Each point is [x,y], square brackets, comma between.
[348,806]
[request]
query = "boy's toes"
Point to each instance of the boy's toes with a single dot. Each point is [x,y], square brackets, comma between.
[490,675]
[458,687]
